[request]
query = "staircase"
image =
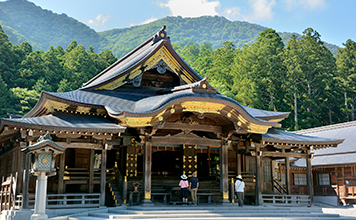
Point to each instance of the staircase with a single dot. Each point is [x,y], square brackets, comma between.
[216,212]
[113,194]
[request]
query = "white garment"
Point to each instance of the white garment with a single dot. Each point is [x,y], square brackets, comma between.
[239,186]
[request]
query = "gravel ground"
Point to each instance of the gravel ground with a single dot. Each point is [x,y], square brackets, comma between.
[349,210]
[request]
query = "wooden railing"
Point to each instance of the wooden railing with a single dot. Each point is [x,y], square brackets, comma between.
[8,192]
[57,201]
[277,199]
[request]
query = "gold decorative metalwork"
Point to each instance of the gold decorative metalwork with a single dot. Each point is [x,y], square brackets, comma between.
[147,195]
[225,195]
[202,107]
[136,122]
[55,105]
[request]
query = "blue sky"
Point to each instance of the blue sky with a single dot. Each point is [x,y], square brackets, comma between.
[334,20]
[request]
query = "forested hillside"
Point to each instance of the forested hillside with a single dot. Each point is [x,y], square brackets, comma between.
[23,21]
[25,73]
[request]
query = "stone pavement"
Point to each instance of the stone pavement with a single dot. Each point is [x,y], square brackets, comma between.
[212,212]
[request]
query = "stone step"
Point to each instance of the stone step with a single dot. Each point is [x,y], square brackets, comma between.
[217,212]
[212,215]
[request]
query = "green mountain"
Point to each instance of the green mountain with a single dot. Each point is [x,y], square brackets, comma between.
[24,21]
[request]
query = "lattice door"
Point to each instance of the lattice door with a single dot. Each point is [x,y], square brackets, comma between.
[131,159]
[190,160]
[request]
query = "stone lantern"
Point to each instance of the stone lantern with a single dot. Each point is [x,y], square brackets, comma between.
[44,154]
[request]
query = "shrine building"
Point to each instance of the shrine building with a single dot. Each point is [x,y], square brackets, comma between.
[144,121]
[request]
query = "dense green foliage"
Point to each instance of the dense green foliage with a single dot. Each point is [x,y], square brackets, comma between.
[302,77]
[24,21]
[24,73]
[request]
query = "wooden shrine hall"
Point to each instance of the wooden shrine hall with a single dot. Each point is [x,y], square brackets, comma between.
[147,119]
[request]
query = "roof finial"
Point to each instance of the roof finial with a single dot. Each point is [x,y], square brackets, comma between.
[163,28]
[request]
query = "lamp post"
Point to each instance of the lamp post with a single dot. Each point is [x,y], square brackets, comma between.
[44,154]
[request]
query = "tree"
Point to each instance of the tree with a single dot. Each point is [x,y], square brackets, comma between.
[31,69]
[346,76]
[318,69]
[244,87]
[79,66]
[267,69]
[23,99]
[5,98]
[292,63]
[220,73]
[7,59]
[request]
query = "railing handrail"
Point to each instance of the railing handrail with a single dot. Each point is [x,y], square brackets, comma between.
[278,199]
[285,191]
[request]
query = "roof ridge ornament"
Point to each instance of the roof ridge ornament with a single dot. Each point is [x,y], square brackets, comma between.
[161,35]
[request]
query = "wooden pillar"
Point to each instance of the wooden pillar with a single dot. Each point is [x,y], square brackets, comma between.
[310,179]
[147,165]
[273,166]
[209,160]
[287,174]
[258,187]
[337,186]
[91,171]
[224,172]
[61,189]
[103,177]
[20,166]
[238,160]
[26,180]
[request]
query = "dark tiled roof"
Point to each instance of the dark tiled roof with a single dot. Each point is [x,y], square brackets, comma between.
[124,65]
[117,102]
[264,113]
[279,136]
[135,59]
[65,122]
[344,153]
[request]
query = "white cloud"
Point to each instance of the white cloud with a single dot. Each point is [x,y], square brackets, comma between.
[99,20]
[191,8]
[152,19]
[232,13]
[261,10]
[305,4]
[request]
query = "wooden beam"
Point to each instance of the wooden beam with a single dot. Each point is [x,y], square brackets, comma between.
[186,140]
[281,154]
[80,145]
[192,127]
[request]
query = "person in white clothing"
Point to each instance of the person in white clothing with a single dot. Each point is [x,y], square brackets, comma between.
[239,190]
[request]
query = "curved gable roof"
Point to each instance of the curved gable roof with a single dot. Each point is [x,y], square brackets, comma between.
[143,57]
